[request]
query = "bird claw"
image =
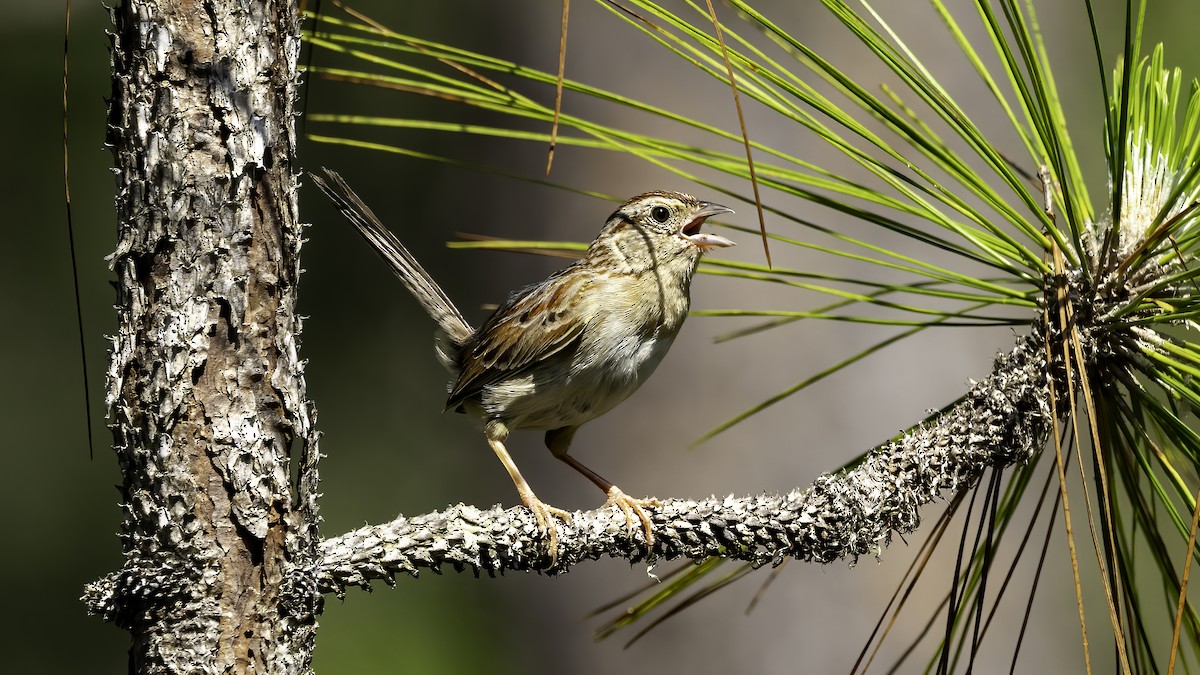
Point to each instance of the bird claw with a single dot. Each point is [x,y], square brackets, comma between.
[543,512]
[630,506]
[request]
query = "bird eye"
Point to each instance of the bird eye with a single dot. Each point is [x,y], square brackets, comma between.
[660,213]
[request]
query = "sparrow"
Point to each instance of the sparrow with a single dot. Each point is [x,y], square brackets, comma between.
[560,353]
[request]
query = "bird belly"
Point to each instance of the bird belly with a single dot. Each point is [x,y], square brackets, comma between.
[628,331]
[567,390]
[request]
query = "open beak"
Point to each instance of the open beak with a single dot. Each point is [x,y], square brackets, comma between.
[703,240]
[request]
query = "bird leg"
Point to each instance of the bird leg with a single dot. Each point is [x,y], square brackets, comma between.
[559,443]
[497,433]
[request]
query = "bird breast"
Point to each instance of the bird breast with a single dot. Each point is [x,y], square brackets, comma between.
[630,328]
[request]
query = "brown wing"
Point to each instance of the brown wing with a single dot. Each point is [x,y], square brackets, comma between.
[533,324]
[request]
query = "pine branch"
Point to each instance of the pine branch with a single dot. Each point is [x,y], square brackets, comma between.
[1002,420]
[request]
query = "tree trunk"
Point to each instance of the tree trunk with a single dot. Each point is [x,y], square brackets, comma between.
[205,389]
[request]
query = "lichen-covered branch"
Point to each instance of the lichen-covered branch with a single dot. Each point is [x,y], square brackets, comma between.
[1003,419]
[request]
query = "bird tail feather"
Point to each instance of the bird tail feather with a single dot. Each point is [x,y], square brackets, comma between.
[431,297]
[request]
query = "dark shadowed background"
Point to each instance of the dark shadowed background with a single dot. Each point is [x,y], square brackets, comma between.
[379,390]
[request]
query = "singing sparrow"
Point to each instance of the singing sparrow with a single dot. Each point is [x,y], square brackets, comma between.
[563,352]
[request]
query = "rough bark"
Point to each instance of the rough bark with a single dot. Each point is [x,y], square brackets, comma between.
[205,389]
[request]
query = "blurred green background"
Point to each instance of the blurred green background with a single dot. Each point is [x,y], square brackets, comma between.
[379,391]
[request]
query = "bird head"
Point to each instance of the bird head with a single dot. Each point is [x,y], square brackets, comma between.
[660,228]
[674,214]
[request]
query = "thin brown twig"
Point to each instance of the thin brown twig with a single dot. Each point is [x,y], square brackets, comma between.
[1060,291]
[1187,569]
[1062,492]
[910,580]
[737,102]
[762,588]
[1037,578]
[558,85]
[1041,501]
[1069,328]
[954,602]
[1105,573]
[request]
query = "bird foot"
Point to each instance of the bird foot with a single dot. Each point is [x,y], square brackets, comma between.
[543,512]
[630,506]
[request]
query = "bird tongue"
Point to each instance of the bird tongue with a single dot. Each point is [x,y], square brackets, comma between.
[693,227]
[703,239]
